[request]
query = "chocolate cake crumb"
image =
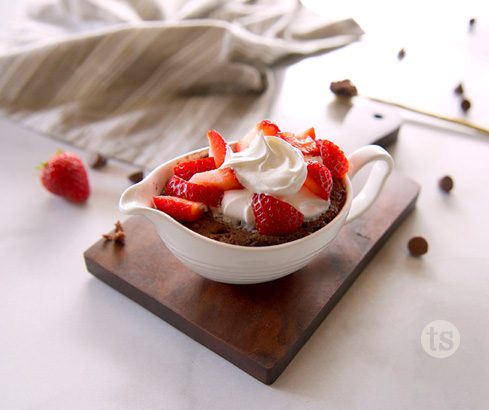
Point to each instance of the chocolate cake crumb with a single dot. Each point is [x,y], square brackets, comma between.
[217,228]
[471,24]
[136,177]
[418,246]
[465,105]
[119,235]
[446,183]
[401,54]
[344,88]
[97,160]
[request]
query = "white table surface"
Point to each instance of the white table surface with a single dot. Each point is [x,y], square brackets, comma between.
[68,341]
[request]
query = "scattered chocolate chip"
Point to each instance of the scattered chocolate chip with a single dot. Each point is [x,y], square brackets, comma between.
[418,246]
[446,183]
[471,24]
[118,236]
[465,105]
[136,176]
[401,54]
[97,160]
[459,89]
[344,88]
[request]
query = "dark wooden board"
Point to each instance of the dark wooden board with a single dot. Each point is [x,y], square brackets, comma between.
[258,328]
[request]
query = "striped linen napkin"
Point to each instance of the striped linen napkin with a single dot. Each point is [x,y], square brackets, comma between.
[142,81]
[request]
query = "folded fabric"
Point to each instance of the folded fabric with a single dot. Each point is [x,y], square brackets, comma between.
[142,81]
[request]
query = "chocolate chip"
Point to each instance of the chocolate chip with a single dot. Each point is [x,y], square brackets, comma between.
[136,176]
[401,54]
[459,89]
[446,183]
[97,160]
[465,104]
[418,246]
[344,88]
[471,24]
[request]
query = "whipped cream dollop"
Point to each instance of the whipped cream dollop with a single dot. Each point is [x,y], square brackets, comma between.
[270,165]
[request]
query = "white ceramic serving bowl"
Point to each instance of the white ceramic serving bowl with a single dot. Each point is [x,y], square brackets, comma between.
[241,264]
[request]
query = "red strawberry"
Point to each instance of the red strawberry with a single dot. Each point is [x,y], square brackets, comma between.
[268,128]
[65,175]
[217,147]
[319,180]
[275,217]
[223,178]
[334,158]
[209,195]
[305,142]
[181,209]
[187,169]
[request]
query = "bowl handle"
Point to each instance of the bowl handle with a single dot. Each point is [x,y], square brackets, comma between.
[381,169]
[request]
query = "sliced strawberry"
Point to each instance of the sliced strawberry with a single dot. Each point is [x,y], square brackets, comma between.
[334,158]
[245,141]
[223,178]
[187,169]
[305,142]
[275,217]
[268,128]
[319,180]
[217,147]
[209,195]
[181,209]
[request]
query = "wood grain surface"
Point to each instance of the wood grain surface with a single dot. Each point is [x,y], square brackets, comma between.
[259,328]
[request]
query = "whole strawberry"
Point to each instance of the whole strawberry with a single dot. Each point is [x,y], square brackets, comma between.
[65,175]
